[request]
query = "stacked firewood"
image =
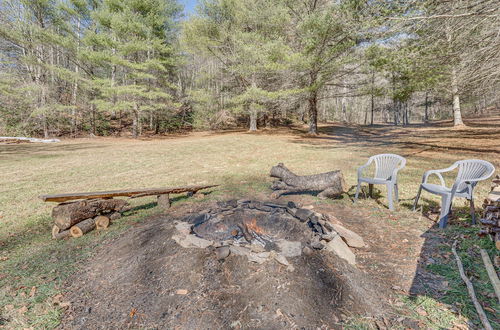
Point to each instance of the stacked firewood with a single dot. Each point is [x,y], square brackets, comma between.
[75,219]
[491,219]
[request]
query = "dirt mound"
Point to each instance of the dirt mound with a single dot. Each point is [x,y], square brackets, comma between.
[145,279]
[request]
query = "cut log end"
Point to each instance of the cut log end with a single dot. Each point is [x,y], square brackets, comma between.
[58,234]
[102,222]
[76,232]
[82,228]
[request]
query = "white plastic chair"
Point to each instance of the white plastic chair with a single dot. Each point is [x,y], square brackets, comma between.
[470,172]
[386,171]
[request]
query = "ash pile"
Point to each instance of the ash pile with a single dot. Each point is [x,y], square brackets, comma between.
[264,231]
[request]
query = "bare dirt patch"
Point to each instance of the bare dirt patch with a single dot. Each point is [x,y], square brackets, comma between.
[144,279]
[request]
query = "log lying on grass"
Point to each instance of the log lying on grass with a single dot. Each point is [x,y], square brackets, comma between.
[101,222]
[26,139]
[330,184]
[58,234]
[97,209]
[82,228]
[69,214]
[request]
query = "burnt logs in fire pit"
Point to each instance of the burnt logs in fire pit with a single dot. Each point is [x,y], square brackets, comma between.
[329,184]
[265,230]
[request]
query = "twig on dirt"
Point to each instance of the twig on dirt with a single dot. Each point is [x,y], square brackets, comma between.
[470,288]
[492,274]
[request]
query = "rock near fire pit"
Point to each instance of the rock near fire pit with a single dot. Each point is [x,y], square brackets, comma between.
[263,231]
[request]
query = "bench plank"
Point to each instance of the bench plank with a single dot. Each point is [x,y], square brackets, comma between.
[122,193]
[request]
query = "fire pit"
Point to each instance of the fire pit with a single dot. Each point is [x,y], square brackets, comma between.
[231,264]
[261,231]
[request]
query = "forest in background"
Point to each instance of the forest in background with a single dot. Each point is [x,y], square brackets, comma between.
[134,67]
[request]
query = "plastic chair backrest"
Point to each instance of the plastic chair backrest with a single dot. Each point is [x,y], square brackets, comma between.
[473,169]
[385,164]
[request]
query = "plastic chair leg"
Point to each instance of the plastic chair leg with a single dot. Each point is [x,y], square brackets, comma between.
[472,211]
[390,196]
[357,191]
[445,211]
[417,198]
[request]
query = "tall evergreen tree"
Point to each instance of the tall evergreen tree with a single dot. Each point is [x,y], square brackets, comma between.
[131,45]
[247,37]
[323,34]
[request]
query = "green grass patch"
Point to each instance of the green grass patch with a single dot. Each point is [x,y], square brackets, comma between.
[240,163]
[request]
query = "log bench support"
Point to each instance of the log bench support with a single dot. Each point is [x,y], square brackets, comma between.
[80,213]
[164,201]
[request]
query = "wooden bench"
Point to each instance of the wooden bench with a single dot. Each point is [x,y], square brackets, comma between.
[162,193]
[79,213]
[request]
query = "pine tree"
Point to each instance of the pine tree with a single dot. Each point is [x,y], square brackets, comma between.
[131,45]
[323,36]
[247,37]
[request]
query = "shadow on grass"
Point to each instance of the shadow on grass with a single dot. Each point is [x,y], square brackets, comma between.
[437,278]
[437,275]
[38,148]
[36,261]
[387,137]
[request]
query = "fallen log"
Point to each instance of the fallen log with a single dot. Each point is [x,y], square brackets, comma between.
[470,289]
[492,274]
[69,214]
[26,139]
[122,193]
[330,184]
[82,228]
[58,234]
[101,222]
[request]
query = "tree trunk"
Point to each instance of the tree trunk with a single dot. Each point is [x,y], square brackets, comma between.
[45,127]
[396,112]
[74,100]
[406,113]
[344,103]
[94,125]
[75,89]
[366,117]
[43,101]
[313,112]
[372,98]
[330,184]
[157,124]
[372,109]
[457,113]
[253,118]
[426,114]
[136,122]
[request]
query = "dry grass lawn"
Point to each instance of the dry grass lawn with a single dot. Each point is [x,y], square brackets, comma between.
[239,161]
